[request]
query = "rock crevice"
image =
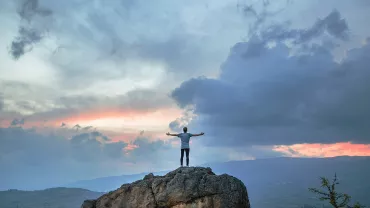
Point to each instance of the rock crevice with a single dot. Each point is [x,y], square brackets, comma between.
[151,189]
[182,188]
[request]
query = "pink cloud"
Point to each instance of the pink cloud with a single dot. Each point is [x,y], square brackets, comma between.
[324,150]
[130,147]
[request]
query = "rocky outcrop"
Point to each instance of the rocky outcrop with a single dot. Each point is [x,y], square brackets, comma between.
[188,187]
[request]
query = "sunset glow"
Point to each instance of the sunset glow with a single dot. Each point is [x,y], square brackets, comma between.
[111,119]
[324,150]
[118,118]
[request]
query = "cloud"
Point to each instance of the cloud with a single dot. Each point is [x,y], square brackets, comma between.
[150,149]
[58,108]
[324,150]
[332,24]
[178,124]
[52,159]
[85,46]
[86,128]
[28,32]
[1,102]
[17,122]
[137,99]
[92,107]
[261,17]
[48,159]
[87,144]
[26,105]
[18,139]
[280,97]
[261,33]
[26,37]
[30,8]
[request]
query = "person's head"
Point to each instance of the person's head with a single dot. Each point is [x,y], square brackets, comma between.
[185,129]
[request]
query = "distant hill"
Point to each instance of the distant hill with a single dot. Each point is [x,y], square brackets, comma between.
[48,198]
[106,184]
[283,180]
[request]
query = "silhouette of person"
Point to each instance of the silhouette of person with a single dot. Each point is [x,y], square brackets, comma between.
[185,138]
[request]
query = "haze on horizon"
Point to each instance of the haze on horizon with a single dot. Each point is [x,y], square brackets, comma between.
[89,88]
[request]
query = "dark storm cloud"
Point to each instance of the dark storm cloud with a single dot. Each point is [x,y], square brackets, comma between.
[28,34]
[274,97]
[24,41]
[30,8]
[332,24]
[260,17]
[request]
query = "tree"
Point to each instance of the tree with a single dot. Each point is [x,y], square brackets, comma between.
[337,200]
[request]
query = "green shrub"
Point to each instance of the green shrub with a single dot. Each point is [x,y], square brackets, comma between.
[336,199]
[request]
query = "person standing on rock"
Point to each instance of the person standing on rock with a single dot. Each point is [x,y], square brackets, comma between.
[185,138]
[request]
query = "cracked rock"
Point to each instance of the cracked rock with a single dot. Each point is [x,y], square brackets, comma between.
[182,188]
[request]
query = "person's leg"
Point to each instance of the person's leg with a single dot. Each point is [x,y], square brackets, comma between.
[182,156]
[187,156]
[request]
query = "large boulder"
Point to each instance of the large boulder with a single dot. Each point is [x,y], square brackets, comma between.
[188,187]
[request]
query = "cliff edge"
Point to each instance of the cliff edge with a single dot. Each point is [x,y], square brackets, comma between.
[187,187]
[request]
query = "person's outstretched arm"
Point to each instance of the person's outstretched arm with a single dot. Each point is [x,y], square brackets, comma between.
[198,134]
[168,134]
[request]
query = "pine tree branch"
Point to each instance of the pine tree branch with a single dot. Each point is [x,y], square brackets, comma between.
[337,200]
[317,191]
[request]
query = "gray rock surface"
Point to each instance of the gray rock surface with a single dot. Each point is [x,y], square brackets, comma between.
[187,187]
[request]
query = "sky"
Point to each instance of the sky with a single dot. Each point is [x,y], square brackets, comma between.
[89,88]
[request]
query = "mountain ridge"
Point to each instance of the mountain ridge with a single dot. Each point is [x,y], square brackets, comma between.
[142,174]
